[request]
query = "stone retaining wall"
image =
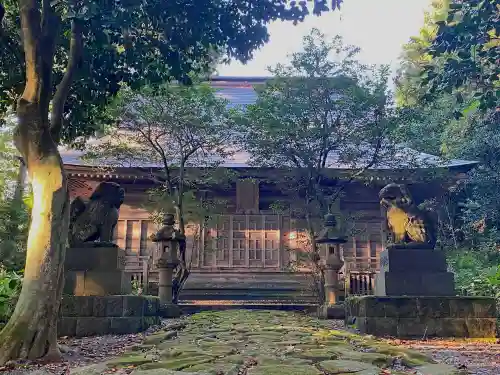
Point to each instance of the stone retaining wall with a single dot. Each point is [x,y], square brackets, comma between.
[415,317]
[96,315]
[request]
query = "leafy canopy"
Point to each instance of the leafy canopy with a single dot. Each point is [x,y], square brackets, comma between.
[169,129]
[323,110]
[140,42]
[468,44]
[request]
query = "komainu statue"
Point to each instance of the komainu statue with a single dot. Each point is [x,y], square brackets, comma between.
[92,222]
[409,225]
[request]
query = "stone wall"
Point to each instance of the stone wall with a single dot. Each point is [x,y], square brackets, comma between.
[417,317]
[96,315]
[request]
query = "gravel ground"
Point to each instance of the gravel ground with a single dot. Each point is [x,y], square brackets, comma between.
[477,358]
[78,352]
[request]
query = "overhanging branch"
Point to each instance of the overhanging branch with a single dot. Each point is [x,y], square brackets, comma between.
[62,91]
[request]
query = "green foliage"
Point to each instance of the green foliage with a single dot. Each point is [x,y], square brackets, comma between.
[476,273]
[141,42]
[467,46]
[454,64]
[170,128]
[10,286]
[415,56]
[323,110]
[14,212]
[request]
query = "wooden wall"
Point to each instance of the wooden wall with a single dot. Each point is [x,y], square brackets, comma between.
[246,237]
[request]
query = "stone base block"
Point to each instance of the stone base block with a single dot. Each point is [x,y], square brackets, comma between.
[94,258]
[423,328]
[169,310]
[401,259]
[331,311]
[417,317]
[93,326]
[99,315]
[97,283]
[109,306]
[414,284]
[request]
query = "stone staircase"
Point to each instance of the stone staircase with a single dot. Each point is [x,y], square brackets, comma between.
[207,290]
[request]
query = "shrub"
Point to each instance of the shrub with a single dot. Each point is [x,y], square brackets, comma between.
[475,273]
[10,286]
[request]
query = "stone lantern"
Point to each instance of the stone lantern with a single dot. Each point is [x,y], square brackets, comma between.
[331,237]
[168,239]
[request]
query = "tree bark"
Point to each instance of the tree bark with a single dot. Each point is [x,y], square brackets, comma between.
[32,330]
[181,272]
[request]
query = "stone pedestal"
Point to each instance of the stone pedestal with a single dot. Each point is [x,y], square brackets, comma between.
[413,272]
[165,273]
[95,271]
[418,317]
[330,311]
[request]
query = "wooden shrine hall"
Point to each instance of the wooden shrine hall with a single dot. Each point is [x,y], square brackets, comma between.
[246,253]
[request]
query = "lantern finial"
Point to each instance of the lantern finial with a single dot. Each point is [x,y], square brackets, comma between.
[330,233]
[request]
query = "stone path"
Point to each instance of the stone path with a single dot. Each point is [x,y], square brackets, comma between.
[243,342]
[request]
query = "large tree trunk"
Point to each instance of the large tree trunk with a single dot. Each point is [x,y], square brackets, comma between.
[32,330]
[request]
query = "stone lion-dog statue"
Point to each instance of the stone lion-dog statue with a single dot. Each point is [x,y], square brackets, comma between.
[409,226]
[92,222]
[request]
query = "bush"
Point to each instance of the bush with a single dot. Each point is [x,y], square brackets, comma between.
[475,273]
[10,286]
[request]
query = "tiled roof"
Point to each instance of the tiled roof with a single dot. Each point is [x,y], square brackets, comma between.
[239,91]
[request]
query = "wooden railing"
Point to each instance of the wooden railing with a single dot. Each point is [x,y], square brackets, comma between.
[359,276]
[360,283]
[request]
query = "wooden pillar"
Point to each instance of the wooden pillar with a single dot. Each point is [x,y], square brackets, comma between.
[231,237]
[247,196]
[247,241]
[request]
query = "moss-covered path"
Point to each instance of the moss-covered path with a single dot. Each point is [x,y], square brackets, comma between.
[242,342]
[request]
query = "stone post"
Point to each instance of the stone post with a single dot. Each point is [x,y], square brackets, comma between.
[168,239]
[330,236]
[166,265]
[333,266]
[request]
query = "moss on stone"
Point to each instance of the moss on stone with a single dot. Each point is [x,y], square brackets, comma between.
[215,368]
[317,355]
[409,357]
[157,338]
[346,366]
[281,344]
[130,360]
[182,362]
[281,369]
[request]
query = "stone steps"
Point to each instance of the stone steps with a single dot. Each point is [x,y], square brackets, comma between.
[193,307]
[268,287]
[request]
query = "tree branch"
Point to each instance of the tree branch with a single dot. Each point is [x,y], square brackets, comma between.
[62,92]
[30,31]
[45,51]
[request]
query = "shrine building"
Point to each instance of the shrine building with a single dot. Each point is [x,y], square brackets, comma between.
[246,253]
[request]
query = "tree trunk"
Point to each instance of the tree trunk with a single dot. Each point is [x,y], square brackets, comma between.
[32,330]
[181,272]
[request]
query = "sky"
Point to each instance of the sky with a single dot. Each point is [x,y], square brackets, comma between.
[378,27]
